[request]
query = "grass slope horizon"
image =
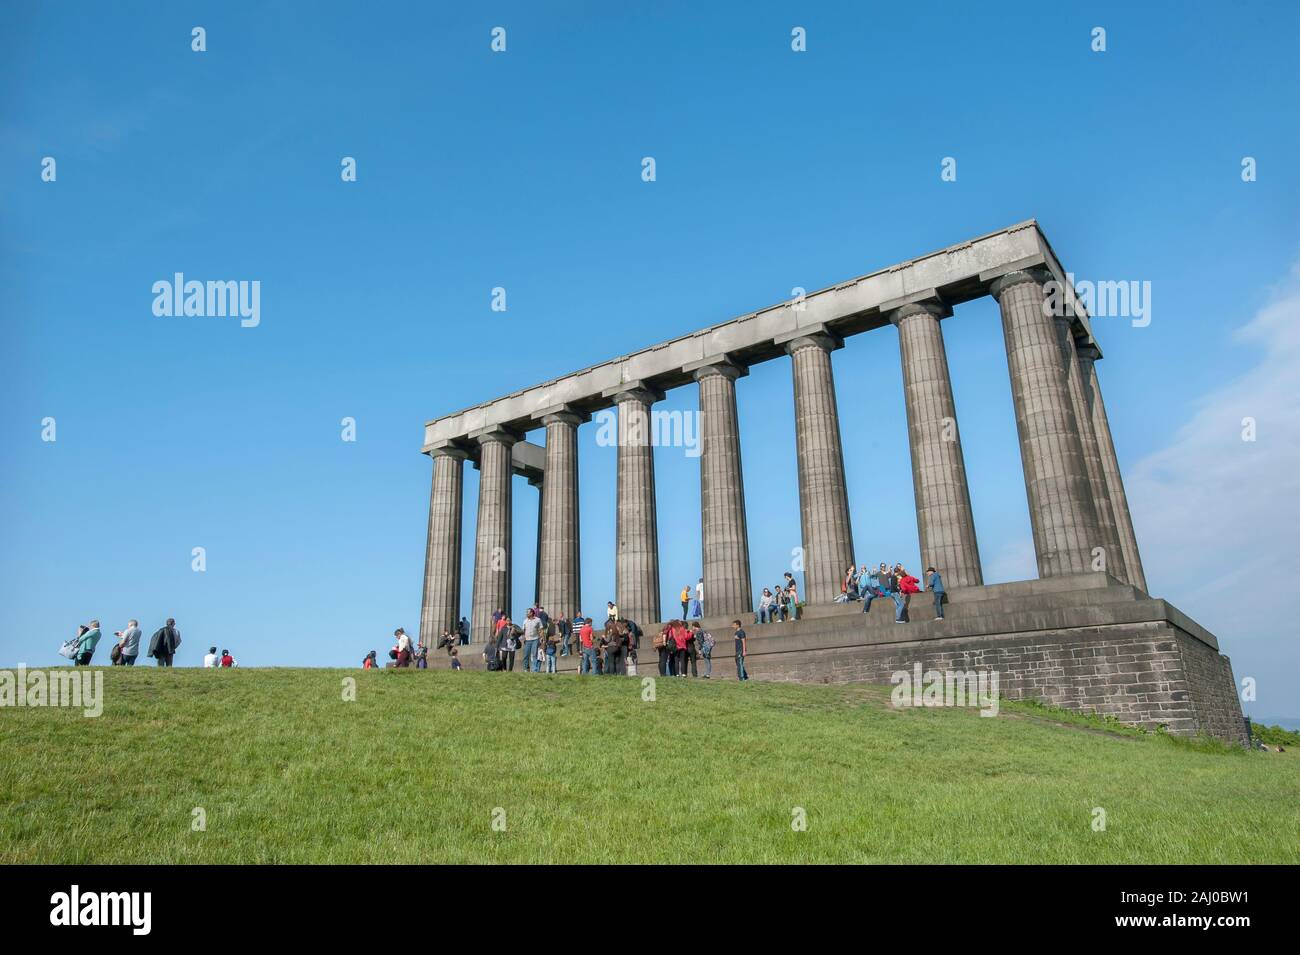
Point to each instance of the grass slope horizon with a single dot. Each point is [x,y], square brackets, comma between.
[421,766]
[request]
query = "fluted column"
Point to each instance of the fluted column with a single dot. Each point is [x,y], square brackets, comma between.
[1088,356]
[945,522]
[492,543]
[823,496]
[636,562]
[1107,535]
[1056,480]
[440,607]
[724,539]
[559,571]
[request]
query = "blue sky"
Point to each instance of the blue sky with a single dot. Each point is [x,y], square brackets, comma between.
[775,169]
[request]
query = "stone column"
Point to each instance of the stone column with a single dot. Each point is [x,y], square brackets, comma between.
[945,522]
[441,605]
[1056,481]
[559,571]
[1088,356]
[823,496]
[492,544]
[1107,535]
[724,539]
[636,562]
[540,484]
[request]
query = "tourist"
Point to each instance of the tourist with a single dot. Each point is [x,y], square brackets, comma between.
[227,660]
[692,649]
[462,630]
[403,648]
[371,661]
[164,643]
[852,587]
[766,607]
[742,650]
[211,659]
[566,632]
[907,585]
[615,644]
[455,659]
[686,599]
[421,657]
[632,645]
[934,584]
[611,610]
[662,644]
[86,643]
[868,587]
[552,645]
[791,597]
[129,642]
[508,644]
[587,641]
[680,638]
[699,598]
[781,602]
[704,640]
[497,617]
[532,636]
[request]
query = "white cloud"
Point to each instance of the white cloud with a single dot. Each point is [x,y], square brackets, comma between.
[1218,516]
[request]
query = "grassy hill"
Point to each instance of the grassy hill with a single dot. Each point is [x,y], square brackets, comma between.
[579,770]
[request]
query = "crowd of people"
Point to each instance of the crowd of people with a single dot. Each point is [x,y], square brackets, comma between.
[683,646]
[126,648]
[890,583]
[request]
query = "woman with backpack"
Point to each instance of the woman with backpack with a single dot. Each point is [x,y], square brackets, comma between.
[662,642]
[704,641]
[508,644]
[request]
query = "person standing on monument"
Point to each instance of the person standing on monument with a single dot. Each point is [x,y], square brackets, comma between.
[934,584]
[462,630]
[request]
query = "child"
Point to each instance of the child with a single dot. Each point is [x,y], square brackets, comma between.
[455,659]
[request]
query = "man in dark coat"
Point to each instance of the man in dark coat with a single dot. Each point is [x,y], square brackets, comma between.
[165,641]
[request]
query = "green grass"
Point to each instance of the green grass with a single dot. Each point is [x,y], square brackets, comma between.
[586,771]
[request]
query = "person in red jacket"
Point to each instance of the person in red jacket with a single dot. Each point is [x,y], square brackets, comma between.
[905,581]
[680,637]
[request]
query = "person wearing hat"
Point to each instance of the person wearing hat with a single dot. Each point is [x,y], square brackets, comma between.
[934,584]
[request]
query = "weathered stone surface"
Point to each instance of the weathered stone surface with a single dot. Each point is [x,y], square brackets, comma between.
[636,561]
[559,584]
[1056,482]
[1088,355]
[440,608]
[944,520]
[823,494]
[724,537]
[492,540]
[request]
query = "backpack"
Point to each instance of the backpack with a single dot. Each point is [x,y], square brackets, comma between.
[661,640]
[706,641]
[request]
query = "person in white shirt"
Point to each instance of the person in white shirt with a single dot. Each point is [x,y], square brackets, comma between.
[210,659]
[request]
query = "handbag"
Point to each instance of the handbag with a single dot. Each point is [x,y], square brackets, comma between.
[116,653]
[69,649]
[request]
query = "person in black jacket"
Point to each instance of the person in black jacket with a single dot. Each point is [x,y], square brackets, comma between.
[164,643]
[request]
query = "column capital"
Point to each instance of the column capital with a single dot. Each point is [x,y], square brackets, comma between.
[723,365]
[561,414]
[1089,352]
[498,435]
[1017,277]
[932,307]
[636,390]
[814,336]
[448,450]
